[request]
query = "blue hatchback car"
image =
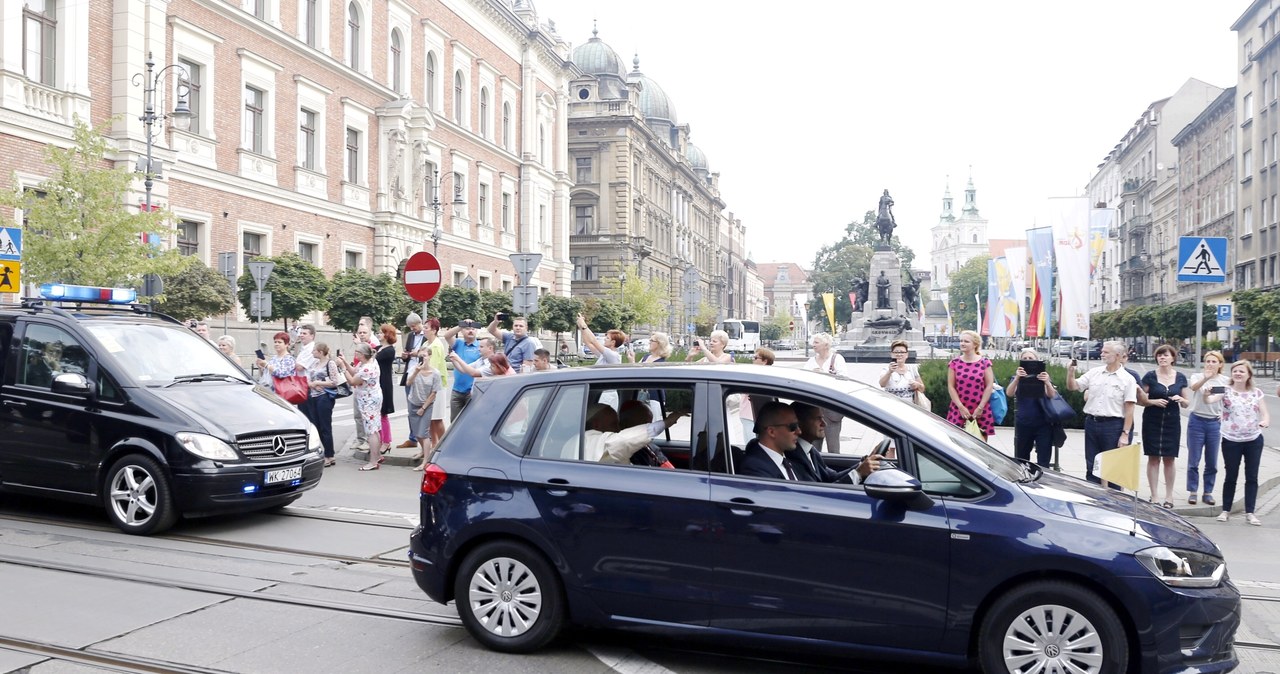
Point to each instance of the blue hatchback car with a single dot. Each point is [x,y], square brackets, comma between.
[612,497]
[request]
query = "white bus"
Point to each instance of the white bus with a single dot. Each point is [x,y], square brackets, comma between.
[744,336]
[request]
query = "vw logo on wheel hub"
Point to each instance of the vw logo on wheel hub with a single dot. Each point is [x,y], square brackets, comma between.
[278,445]
[1052,651]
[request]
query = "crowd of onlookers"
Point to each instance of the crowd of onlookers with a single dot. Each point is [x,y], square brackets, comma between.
[1227,414]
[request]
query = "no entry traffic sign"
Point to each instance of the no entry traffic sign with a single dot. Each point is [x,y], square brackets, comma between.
[422,276]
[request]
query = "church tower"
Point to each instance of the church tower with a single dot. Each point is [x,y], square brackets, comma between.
[956,240]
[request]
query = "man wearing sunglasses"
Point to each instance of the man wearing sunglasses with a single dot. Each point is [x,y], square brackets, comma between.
[777,430]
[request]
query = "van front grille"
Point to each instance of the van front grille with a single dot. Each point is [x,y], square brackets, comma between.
[266,447]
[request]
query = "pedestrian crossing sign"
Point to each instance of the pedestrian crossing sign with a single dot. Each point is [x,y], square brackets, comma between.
[10,243]
[1202,259]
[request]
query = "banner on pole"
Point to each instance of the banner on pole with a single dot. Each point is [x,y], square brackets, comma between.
[1017,260]
[1069,218]
[1101,221]
[1040,242]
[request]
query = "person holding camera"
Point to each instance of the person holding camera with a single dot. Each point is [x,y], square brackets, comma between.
[898,377]
[1031,427]
[1204,426]
[713,350]
[516,343]
[609,351]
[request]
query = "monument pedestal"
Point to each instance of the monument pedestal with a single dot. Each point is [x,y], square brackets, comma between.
[870,331]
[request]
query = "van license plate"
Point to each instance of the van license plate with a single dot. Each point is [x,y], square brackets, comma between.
[274,476]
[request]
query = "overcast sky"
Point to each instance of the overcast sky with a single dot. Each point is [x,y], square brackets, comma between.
[809,115]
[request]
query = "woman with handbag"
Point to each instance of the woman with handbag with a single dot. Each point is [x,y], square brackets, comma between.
[283,370]
[898,377]
[1032,425]
[364,380]
[323,378]
[969,383]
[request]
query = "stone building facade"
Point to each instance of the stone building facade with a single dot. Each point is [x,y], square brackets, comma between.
[1255,253]
[956,240]
[644,199]
[320,127]
[1206,183]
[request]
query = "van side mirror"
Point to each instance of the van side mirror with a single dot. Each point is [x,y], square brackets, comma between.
[895,486]
[71,383]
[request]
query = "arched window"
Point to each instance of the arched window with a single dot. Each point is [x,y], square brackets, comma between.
[397,62]
[506,125]
[431,80]
[457,97]
[484,112]
[353,36]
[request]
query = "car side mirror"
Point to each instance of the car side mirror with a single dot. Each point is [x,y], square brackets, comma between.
[895,486]
[70,383]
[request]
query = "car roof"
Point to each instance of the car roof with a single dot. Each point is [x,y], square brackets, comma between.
[730,374]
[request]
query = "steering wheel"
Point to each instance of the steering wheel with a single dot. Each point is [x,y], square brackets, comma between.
[882,449]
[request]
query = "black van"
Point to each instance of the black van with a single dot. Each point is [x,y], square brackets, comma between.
[120,406]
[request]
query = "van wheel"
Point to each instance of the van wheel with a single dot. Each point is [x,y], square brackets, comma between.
[509,597]
[138,497]
[1052,626]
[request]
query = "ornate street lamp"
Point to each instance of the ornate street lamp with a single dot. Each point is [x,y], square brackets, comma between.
[438,232]
[181,115]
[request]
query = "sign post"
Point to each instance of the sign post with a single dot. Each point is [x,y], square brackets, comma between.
[260,271]
[1201,259]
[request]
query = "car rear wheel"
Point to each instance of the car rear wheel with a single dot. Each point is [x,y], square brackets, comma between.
[509,597]
[1052,626]
[138,497]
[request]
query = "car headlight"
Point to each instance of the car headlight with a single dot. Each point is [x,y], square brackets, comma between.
[207,447]
[313,438]
[1183,568]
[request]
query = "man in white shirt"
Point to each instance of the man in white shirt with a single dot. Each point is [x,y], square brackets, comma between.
[605,442]
[1108,407]
[306,358]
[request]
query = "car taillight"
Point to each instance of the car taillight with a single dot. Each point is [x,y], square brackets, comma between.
[433,479]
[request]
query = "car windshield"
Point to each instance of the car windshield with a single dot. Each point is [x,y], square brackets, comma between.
[155,355]
[935,431]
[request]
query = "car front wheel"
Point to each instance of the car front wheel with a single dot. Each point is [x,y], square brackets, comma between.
[138,497]
[1052,626]
[509,597]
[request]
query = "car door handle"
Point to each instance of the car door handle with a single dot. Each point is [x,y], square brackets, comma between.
[553,484]
[742,506]
[15,403]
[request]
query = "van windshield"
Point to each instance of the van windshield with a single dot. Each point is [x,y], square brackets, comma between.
[155,355]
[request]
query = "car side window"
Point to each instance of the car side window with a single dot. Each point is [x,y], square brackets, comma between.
[47,352]
[561,433]
[940,479]
[520,418]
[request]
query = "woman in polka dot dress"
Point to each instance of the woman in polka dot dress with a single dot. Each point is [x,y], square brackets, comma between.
[970,381]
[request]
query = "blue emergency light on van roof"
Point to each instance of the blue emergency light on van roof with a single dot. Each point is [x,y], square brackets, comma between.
[61,292]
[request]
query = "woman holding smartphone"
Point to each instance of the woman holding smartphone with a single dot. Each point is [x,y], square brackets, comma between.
[1244,415]
[1162,421]
[1204,426]
[899,378]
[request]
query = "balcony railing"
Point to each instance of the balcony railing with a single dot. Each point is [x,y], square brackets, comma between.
[1138,224]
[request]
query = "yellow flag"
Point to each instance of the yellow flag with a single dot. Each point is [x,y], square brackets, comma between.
[1120,465]
[829,301]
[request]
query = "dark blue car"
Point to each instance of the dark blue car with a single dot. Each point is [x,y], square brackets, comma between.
[959,555]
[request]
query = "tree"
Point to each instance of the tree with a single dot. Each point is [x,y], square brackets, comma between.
[355,292]
[79,228]
[645,299]
[493,302]
[454,304]
[604,314]
[704,321]
[195,291]
[775,327]
[297,288]
[557,314]
[969,279]
[1258,312]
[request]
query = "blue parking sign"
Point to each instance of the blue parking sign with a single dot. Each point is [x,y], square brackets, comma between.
[1224,313]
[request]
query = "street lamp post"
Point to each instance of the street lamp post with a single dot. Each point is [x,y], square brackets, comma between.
[438,232]
[181,114]
[806,328]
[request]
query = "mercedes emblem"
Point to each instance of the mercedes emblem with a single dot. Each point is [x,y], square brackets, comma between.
[278,445]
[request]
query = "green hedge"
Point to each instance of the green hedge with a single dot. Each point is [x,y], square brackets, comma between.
[934,374]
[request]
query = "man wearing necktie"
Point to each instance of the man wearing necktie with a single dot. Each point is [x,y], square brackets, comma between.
[813,429]
[776,431]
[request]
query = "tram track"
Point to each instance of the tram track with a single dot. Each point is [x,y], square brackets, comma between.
[217,542]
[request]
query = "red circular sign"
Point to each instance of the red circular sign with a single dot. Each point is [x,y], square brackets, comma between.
[422,276]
